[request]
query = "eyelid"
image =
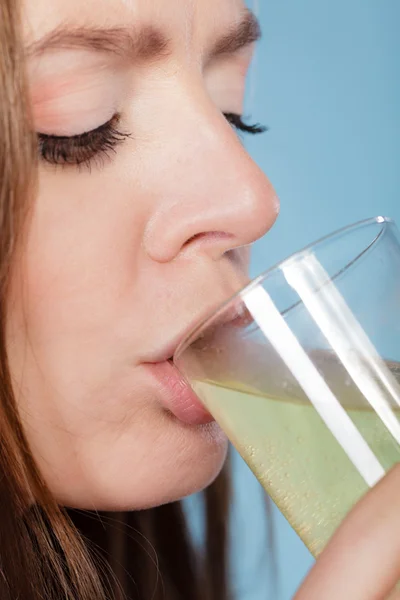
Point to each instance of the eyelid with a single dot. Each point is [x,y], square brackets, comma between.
[83,148]
[52,136]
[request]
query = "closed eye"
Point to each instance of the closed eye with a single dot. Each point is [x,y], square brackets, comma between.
[83,148]
[238,123]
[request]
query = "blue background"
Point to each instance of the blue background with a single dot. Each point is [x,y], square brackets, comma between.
[326,82]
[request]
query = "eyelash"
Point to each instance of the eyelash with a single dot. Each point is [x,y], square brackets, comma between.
[84,148]
[237,122]
[96,145]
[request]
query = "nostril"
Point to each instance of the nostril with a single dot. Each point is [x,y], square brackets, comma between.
[208,236]
[194,238]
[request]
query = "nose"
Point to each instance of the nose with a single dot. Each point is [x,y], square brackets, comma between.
[213,197]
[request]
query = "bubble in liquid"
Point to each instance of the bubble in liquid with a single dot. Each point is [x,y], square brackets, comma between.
[250,451]
[334,516]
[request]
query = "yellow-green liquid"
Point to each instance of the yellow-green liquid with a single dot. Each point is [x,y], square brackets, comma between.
[295,456]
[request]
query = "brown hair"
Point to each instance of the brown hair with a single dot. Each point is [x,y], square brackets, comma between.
[46,551]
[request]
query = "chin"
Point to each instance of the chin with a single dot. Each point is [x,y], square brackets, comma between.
[190,463]
[196,468]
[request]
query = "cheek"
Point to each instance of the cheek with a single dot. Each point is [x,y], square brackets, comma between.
[81,250]
[75,286]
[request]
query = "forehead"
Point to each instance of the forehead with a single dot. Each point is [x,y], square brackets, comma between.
[182,20]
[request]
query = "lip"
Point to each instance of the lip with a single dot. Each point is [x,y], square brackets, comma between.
[235,316]
[177,396]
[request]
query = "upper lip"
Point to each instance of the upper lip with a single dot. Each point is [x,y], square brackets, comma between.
[237,314]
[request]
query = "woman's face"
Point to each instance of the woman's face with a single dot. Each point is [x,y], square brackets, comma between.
[145,205]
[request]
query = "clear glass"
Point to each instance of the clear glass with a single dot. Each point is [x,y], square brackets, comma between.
[301,369]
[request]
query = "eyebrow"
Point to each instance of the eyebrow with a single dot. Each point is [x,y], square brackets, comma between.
[247,32]
[147,44]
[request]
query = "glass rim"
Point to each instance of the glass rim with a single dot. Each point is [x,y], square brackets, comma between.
[379,220]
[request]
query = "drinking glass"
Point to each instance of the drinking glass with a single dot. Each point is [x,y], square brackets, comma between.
[301,369]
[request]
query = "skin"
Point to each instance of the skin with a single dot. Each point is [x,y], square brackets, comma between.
[111,270]
[120,258]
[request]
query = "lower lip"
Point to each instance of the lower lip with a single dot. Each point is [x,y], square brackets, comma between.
[177,396]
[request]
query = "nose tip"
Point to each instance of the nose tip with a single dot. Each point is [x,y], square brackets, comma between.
[257,206]
[221,201]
